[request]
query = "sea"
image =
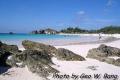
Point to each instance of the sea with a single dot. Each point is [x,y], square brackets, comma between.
[51,39]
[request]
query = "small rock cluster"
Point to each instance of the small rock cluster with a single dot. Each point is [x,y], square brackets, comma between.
[103,52]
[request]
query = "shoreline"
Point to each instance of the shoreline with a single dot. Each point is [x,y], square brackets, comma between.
[102,41]
[82,34]
[107,40]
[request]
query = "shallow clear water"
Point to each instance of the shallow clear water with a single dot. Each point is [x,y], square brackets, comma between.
[44,38]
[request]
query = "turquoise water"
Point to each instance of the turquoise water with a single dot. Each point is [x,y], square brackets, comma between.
[44,38]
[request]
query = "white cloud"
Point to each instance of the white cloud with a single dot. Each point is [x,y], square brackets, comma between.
[109,3]
[81,12]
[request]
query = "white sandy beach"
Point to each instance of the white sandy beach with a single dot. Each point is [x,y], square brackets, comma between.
[71,67]
[109,35]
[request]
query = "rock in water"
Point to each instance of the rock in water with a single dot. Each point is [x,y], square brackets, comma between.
[62,54]
[103,52]
[68,55]
[5,51]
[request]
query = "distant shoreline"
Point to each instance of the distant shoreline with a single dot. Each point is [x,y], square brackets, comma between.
[83,34]
[79,34]
[107,40]
[110,38]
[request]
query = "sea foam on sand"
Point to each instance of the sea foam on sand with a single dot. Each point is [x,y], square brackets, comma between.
[71,67]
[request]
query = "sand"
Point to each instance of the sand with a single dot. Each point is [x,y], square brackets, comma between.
[88,67]
[19,74]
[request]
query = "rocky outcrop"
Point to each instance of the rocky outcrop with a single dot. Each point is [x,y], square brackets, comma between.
[109,51]
[117,62]
[5,51]
[61,54]
[45,31]
[68,55]
[30,45]
[8,48]
[38,62]
[103,52]
[16,60]
[40,56]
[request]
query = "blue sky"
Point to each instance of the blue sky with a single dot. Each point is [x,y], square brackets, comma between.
[28,15]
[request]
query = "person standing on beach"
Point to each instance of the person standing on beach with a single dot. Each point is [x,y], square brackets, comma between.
[100,36]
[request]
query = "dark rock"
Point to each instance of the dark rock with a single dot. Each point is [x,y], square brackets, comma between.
[11,33]
[109,51]
[5,51]
[95,53]
[41,69]
[0,43]
[65,54]
[103,52]
[40,56]
[19,60]
[108,60]
[117,62]
[34,32]
[38,62]
[45,31]
[8,48]
[62,54]
[30,45]
[16,60]
[3,58]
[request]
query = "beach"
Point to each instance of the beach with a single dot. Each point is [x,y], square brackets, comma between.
[71,67]
[59,40]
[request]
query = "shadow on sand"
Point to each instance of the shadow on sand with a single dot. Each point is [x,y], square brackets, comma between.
[3,70]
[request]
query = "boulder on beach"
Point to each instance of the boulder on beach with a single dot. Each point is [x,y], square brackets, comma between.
[30,45]
[5,51]
[61,54]
[103,52]
[40,56]
[23,57]
[38,62]
[16,60]
[65,54]
[8,48]
[117,62]
[109,51]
